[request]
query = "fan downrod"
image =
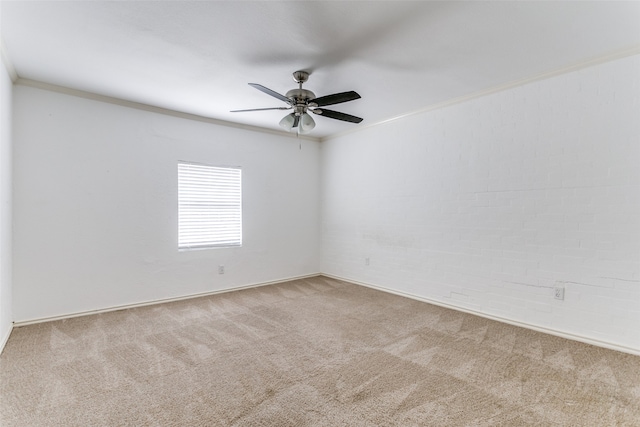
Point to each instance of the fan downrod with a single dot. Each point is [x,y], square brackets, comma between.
[300,97]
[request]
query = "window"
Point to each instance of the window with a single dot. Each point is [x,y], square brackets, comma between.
[209,206]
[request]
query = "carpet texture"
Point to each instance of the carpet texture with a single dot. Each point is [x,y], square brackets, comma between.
[313,352]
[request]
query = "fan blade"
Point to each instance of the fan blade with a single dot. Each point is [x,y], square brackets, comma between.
[336,98]
[270,92]
[295,122]
[337,115]
[260,109]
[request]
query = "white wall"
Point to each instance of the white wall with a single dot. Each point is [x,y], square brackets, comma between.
[95,199]
[485,205]
[489,204]
[6,316]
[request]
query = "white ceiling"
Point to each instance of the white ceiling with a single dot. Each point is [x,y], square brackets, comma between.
[198,56]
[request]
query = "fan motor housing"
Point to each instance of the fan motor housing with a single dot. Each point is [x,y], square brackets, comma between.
[300,95]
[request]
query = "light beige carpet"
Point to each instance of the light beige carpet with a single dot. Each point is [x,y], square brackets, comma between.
[314,352]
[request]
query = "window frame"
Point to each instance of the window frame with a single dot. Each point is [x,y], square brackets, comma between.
[230,201]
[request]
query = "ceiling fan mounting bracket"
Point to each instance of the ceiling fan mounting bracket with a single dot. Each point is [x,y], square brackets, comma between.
[300,76]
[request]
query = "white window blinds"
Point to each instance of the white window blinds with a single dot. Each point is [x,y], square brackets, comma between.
[209,206]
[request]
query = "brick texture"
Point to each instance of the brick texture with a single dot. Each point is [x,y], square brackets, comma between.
[491,203]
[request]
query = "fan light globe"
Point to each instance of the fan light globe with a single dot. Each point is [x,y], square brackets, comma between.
[306,123]
[288,121]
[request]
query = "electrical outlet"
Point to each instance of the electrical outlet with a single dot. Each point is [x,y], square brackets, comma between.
[366,261]
[221,269]
[558,293]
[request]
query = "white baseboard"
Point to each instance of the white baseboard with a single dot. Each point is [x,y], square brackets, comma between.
[558,333]
[5,338]
[158,301]
[545,330]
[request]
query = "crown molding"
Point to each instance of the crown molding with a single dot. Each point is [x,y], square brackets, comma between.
[623,53]
[634,50]
[146,107]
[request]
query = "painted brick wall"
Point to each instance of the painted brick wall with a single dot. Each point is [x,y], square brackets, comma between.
[491,203]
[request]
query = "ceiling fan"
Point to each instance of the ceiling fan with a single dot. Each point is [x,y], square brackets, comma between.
[302,101]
